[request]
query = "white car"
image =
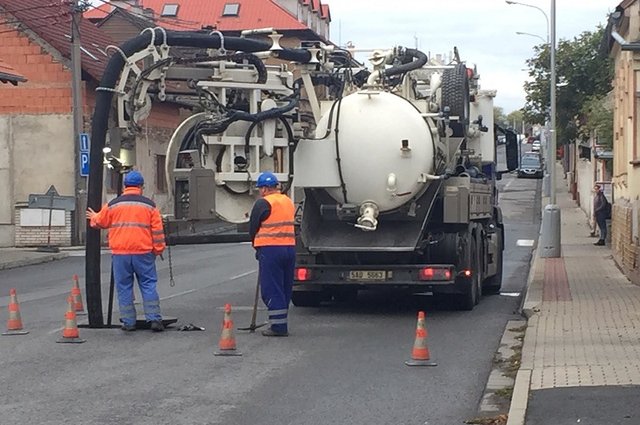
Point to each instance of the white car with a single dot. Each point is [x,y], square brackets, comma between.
[535,147]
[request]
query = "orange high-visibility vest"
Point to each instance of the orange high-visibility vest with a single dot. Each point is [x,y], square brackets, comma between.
[134,223]
[277,229]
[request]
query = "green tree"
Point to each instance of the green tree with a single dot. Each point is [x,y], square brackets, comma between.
[515,119]
[598,120]
[499,116]
[584,73]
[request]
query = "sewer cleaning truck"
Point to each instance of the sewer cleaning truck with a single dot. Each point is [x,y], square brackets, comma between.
[392,166]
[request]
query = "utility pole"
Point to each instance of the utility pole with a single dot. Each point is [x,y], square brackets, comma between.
[78,120]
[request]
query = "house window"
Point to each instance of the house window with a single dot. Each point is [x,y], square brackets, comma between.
[161,175]
[231,9]
[170,10]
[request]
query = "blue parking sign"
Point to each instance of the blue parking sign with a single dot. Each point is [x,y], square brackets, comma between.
[84,164]
[84,142]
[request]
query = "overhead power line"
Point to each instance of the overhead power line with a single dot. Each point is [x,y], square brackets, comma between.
[31,19]
[24,9]
[33,27]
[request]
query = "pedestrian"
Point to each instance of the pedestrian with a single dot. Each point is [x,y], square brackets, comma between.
[273,235]
[136,237]
[600,213]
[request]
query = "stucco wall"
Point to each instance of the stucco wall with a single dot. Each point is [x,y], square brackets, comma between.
[585,181]
[35,153]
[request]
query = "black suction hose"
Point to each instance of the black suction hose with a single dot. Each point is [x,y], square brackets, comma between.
[421,59]
[100,123]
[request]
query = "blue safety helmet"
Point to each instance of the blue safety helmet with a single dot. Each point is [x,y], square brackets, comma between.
[267,179]
[133,178]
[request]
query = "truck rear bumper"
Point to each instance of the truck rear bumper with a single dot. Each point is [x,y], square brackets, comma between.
[414,278]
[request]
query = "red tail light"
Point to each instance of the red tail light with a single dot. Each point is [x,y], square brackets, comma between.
[434,273]
[467,273]
[303,274]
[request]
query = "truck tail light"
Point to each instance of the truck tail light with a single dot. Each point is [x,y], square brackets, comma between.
[435,273]
[303,274]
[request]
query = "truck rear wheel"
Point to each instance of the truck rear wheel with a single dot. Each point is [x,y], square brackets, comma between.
[494,283]
[471,297]
[306,298]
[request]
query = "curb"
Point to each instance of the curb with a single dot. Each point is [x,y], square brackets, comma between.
[33,261]
[519,401]
[532,300]
[533,296]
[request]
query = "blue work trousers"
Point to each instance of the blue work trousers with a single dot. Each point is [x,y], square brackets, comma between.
[277,264]
[144,268]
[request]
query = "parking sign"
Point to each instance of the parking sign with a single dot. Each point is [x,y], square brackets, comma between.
[84,154]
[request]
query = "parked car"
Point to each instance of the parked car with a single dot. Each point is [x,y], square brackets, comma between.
[530,166]
[535,147]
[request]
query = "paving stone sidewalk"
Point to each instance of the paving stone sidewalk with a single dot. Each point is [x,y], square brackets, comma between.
[584,318]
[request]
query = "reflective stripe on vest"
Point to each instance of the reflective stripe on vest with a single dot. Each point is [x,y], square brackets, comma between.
[277,229]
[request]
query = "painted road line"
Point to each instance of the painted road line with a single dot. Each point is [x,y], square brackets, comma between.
[525,242]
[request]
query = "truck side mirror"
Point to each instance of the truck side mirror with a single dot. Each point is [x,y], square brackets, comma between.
[511,147]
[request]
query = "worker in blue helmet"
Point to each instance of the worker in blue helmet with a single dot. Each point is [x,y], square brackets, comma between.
[273,235]
[136,237]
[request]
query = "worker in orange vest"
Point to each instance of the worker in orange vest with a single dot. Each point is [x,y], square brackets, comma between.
[136,237]
[271,229]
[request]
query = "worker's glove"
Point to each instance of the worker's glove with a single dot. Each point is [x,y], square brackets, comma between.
[191,327]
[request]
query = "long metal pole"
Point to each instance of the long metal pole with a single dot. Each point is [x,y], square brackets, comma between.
[552,153]
[78,121]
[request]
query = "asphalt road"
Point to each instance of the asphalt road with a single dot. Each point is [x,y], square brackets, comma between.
[342,364]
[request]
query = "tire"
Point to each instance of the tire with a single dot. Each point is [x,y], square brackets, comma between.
[306,298]
[493,284]
[455,95]
[471,297]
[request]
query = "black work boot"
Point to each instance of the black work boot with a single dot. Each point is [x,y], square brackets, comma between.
[599,243]
[157,326]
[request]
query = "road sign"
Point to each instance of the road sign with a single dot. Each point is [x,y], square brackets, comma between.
[84,154]
[84,164]
[84,142]
[52,200]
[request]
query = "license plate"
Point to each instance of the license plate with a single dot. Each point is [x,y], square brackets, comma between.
[368,275]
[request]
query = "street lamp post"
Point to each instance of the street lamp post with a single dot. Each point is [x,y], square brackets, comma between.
[550,238]
[553,103]
[549,160]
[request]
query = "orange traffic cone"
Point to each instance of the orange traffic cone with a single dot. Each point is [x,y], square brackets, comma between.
[70,333]
[420,353]
[77,296]
[14,324]
[227,344]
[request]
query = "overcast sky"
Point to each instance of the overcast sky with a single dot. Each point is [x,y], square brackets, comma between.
[483,30]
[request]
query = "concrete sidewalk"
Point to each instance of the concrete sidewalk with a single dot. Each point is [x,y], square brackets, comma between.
[11,258]
[583,330]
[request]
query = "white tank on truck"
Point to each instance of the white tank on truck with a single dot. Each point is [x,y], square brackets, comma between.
[385,149]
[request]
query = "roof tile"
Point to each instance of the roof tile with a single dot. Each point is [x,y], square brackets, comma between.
[196,14]
[51,21]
